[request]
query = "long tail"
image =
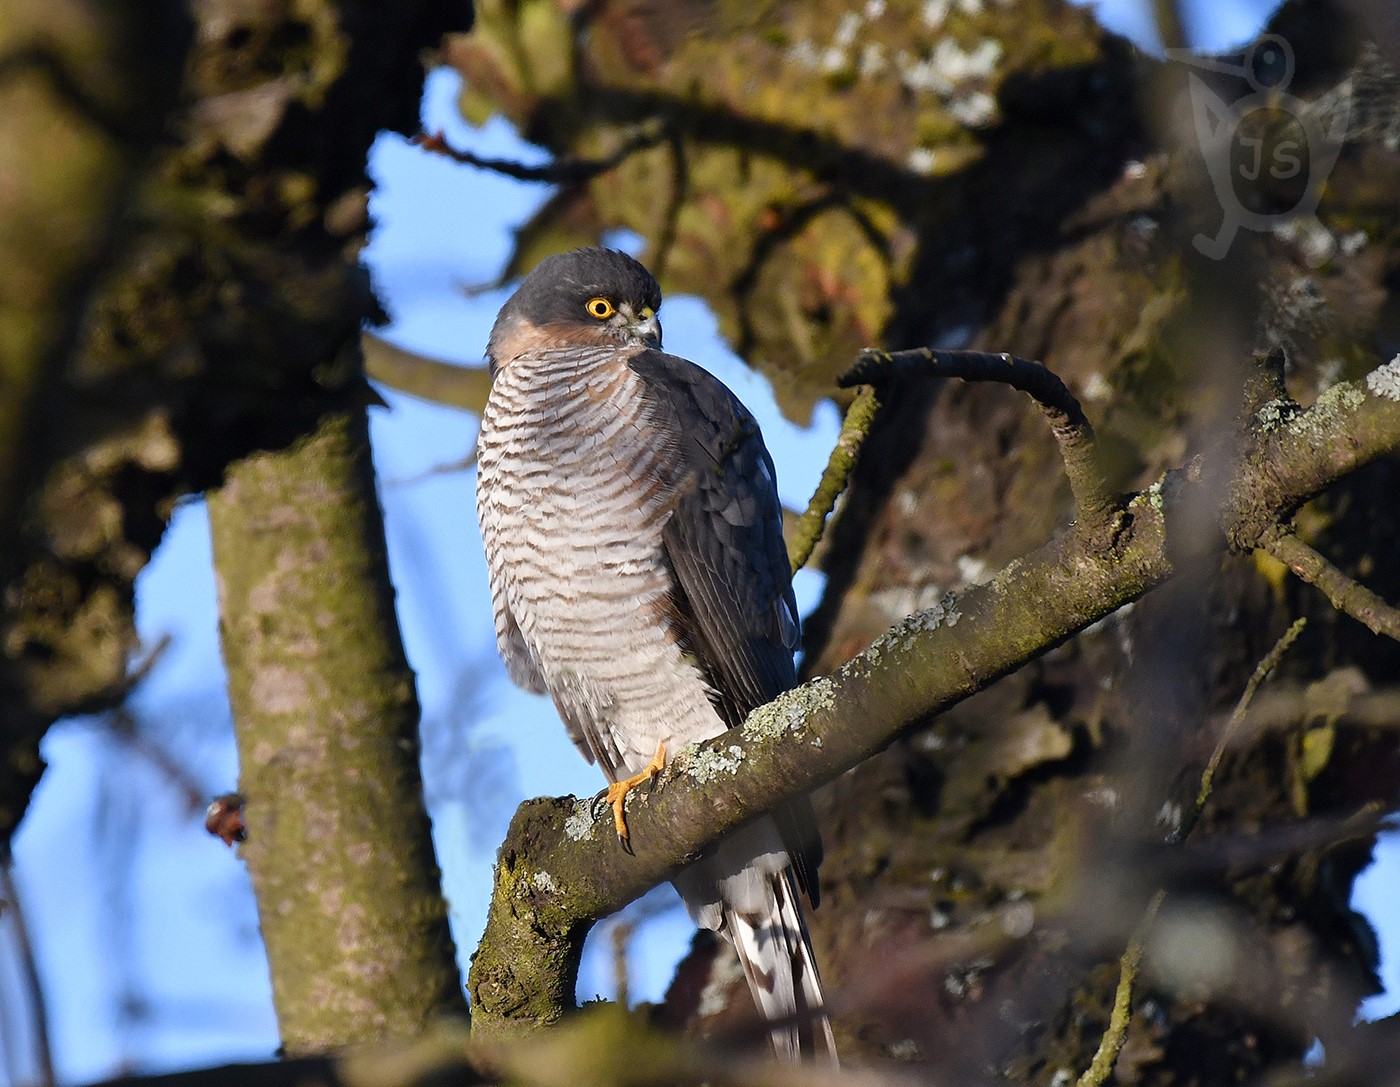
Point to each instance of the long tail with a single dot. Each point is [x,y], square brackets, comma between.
[775,950]
[747,891]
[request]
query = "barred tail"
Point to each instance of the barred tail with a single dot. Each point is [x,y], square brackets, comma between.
[776,952]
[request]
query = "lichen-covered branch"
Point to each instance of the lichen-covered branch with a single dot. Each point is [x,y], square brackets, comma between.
[1111,1044]
[559,867]
[326,718]
[807,532]
[1072,430]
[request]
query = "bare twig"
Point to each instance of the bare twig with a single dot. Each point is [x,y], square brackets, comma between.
[1071,427]
[29,975]
[807,532]
[1261,673]
[123,726]
[1111,1044]
[565,171]
[1345,593]
[621,939]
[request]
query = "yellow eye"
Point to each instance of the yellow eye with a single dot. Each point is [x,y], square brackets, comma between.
[600,308]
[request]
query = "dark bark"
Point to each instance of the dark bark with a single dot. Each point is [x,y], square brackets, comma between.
[219,314]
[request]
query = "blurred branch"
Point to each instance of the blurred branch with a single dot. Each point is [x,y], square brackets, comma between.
[601,1045]
[807,532]
[12,911]
[1345,593]
[1171,30]
[1261,673]
[464,387]
[123,726]
[560,171]
[1117,1033]
[560,869]
[81,113]
[1071,427]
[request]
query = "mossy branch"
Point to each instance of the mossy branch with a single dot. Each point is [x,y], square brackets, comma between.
[1261,672]
[560,868]
[1111,1044]
[855,428]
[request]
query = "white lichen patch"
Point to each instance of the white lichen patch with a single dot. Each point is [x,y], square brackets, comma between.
[714,997]
[926,621]
[1384,381]
[847,29]
[545,882]
[933,12]
[976,110]
[958,65]
[921,161]
[788,714]
[1097,387]
[706,764]
[1274,414]
[1322,417]
[579,825]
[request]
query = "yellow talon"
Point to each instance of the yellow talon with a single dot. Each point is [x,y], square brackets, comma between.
[616,795]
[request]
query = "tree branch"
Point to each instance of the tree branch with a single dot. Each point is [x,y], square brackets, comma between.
[1261,672]
[807,532]
[1072,430]
[1111,1044]
[464,387]
[560,869]
[560,171]
[1345,593]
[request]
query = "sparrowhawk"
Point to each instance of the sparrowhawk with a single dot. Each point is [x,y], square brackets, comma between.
[638,575]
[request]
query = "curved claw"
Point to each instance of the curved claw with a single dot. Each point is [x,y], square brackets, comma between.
[616,794]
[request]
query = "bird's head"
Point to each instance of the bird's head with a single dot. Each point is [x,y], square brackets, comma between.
[583,298]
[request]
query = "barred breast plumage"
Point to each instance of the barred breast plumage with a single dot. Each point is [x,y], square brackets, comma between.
[633,539]
[573,500]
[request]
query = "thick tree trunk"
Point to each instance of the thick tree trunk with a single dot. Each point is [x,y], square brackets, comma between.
[326,715]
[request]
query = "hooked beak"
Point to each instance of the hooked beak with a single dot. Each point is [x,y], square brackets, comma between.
[648,330]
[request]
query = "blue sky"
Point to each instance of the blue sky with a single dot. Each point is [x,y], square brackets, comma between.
[178,932]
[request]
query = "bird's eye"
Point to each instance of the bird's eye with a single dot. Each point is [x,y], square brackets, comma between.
[600,308]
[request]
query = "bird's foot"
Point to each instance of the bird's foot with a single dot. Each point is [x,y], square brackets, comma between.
[616,795]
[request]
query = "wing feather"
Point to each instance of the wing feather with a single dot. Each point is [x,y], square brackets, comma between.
[733,605]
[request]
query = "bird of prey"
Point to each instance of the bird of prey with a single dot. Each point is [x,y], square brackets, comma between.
[638,575]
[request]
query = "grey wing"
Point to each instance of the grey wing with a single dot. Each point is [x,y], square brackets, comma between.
[734,606]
